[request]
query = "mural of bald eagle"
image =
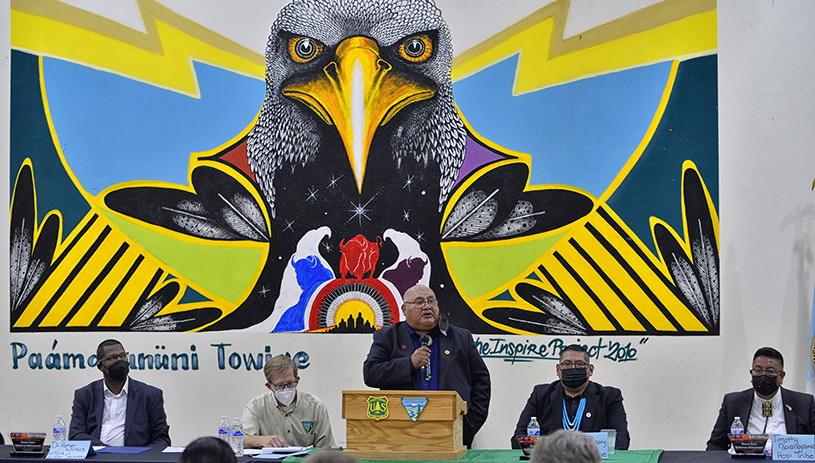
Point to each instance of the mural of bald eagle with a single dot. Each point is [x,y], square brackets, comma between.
[356,152]
[353,178]
[367,82]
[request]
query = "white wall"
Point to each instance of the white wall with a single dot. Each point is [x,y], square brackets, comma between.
[767,211]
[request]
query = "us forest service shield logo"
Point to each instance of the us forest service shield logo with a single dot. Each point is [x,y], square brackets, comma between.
[377,408]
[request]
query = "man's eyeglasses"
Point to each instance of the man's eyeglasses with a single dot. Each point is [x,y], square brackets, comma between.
[568,364]
[429,302]
[759,372]
[281,386]
[114,357]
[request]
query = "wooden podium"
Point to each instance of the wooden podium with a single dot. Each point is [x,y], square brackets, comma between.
[379,426]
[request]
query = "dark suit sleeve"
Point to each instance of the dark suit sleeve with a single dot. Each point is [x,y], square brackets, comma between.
[718,438]
[530,410]
[617,418]
[159,429]
[80,411]
[480,392]
[382,368]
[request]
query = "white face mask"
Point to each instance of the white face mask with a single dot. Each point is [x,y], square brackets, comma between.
[285,396]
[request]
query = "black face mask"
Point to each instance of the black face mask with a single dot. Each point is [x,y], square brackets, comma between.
[765,384]
[574,377]
[119,370]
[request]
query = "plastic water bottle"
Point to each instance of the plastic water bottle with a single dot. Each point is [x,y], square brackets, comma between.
[236,437]
[60,432]
[737,428]
[533,428]
[223,429]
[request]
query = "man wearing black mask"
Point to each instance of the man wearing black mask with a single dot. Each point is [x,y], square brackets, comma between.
[573,402]
[117,410]
[760,407]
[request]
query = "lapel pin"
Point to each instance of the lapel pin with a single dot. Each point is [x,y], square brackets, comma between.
[447,352]
[789,408]
[588,414]
[404,347]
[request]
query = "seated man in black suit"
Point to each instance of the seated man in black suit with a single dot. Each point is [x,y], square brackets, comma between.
[450,362]
[575,403]
[117,410]
[761,408]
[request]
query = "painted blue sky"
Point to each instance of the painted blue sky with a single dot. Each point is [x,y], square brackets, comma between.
[113,129]
[580,133]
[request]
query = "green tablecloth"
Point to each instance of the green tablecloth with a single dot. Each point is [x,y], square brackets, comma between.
[513,456]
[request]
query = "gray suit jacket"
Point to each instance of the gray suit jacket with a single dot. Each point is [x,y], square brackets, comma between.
[145,422]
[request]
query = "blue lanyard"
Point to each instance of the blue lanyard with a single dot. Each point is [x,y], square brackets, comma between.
[578,417]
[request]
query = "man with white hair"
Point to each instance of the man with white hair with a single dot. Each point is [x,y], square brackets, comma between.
[564,446]
[424,352]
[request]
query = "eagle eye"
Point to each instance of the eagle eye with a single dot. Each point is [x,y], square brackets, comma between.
[417,48]
[304,49]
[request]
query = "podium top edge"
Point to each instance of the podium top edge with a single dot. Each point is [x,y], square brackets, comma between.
[400,393]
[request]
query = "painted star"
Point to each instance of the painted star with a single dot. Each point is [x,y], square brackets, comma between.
[408,182]
[359,210]
[406,216]
[333,182]
[312,195]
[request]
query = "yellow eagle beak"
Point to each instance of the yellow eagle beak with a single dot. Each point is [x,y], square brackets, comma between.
[358,92]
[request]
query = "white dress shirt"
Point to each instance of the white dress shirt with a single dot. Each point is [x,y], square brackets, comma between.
[776,424]
[114,415]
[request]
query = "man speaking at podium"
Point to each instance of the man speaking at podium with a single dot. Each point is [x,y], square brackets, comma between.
[425,353]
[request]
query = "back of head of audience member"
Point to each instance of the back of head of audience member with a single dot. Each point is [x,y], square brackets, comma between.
[330,456]
[208,450]
[564,446]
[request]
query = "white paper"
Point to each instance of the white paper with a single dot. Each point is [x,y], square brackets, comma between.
[284,450]
[181,449]
[173,450]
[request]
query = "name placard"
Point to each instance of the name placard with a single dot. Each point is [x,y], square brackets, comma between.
[70,450]
[601,439]
[797,447]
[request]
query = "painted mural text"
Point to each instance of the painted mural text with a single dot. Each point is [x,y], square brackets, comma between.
[527,351]
[236,360]
[22,356]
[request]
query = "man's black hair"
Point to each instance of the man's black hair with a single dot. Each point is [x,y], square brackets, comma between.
[578,348]
[100,351]
[769,352]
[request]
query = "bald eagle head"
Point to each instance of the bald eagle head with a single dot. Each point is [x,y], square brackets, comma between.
[352,66]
